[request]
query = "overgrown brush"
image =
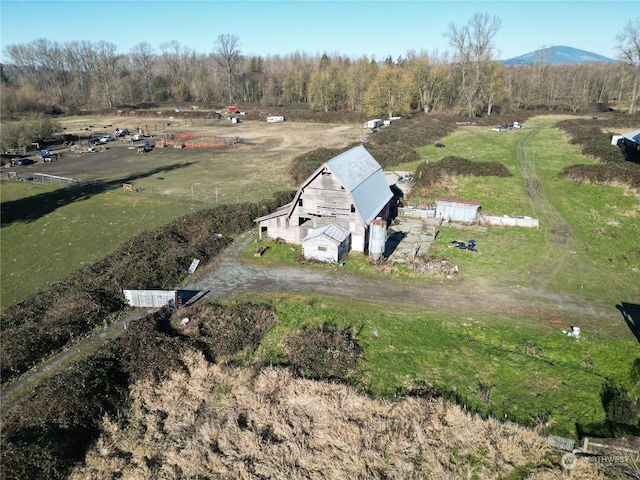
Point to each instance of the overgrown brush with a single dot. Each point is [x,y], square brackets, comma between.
[615,167]
[304,165]
[617,174]
[429,175]
[392,145]
[324,352]
[50,319]
[222,331]
[47,432]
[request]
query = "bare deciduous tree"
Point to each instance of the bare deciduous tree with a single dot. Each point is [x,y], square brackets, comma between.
[473,54]
[142,58]
[628,47]
[227,55]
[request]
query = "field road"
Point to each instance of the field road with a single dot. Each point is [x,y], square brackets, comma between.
[553,258]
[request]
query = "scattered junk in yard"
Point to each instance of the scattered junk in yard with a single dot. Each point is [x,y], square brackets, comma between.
[145,147]
[193,266]
[503,127]
[574,332]
[47,156]
[185,140]
[429,265]
[470,245]
[438,145]
[275,119]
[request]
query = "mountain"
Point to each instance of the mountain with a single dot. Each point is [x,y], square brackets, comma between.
[557,55]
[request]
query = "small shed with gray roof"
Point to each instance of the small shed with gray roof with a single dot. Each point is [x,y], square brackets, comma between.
[349,191]
[326,244]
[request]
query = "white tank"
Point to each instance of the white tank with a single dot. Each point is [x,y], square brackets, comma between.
[377,238]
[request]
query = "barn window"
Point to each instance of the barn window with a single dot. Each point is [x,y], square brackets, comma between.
[353,208]
[322,248]
[300,202]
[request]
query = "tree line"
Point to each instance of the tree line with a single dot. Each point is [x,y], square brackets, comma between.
[56,77]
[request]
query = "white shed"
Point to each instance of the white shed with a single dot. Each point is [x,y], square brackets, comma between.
[457,209]
[327,244]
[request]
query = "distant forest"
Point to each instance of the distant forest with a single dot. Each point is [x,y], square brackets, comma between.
[52,77]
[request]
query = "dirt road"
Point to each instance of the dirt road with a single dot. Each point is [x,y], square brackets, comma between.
[230,275]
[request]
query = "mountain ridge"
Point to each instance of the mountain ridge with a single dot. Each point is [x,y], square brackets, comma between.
[556,55]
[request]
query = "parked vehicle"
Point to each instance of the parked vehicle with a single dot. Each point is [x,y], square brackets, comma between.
[24,161]
[107,138]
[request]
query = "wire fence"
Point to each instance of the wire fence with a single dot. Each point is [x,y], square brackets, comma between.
[215,196]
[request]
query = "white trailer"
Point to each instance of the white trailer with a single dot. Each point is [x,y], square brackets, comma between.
[375,123]
[275,119]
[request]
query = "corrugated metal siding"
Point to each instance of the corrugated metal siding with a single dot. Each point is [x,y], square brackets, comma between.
[456,211]
[151,298]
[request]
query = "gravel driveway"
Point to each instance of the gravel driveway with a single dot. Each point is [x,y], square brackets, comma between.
[231,275]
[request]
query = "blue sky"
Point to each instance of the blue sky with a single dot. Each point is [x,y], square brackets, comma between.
[376,28]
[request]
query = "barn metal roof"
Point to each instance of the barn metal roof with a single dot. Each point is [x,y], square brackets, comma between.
[332,232]
[363,177]
[634,136]
[360,175]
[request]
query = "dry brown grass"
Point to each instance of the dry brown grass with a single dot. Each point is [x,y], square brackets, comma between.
[213,421]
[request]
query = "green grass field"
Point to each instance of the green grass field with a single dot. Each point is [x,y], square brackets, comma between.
[517,365]
[508,365]
[48,247]
[56,231]
[587,243]
[512,364]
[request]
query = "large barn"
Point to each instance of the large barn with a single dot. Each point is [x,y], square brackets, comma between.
[349,191]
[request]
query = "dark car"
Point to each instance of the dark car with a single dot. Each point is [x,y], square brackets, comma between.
[24,161]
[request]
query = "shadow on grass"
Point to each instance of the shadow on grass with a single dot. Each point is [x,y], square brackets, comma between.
[631,314]
[32,208]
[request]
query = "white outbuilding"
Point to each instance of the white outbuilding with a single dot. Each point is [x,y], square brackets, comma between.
[326,244]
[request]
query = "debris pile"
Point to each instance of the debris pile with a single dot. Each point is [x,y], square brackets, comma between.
[470,245]
[437,266]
